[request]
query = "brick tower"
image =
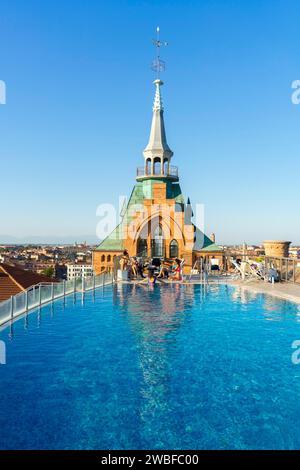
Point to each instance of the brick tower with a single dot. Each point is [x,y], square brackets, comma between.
[157,222]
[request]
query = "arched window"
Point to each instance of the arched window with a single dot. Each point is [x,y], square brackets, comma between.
[157,166]
[142,250]
[166,167]
[103,258]
[148,166]
[108,258]
[173,249]
[158,243]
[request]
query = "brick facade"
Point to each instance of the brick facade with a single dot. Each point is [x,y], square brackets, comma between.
[151,212]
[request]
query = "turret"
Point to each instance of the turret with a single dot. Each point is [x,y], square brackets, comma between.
[157,154]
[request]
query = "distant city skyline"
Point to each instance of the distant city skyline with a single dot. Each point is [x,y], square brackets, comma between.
[77,116]
[44,240]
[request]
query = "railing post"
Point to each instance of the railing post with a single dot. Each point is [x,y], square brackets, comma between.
[74,284]
[266,269]
[64,288]
[82,284]
[294,271]
[103,276]
[94,282]
[11,307]
[52,291]
[201,269]
[40,295]
[26,301]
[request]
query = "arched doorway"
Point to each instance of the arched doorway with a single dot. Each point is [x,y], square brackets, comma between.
[142,250]
[158,243]
[174,249]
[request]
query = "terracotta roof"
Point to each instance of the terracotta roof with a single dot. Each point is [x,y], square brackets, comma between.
[14,280]
[7,287]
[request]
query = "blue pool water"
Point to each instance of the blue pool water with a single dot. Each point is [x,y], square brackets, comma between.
[176,367]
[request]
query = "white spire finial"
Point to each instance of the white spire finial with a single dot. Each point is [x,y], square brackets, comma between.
[158,104]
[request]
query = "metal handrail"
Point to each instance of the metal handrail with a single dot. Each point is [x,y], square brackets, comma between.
[287,268]
[171,171]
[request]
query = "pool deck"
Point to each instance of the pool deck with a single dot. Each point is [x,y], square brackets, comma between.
[282,290]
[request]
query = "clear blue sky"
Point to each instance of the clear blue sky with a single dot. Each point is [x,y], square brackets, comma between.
[79,98]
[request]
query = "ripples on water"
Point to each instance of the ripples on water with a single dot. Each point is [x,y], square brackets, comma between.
[173,367]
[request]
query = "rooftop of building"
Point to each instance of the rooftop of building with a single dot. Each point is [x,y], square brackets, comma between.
[14,279]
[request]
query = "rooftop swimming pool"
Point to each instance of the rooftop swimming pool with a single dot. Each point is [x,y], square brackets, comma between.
[175,367]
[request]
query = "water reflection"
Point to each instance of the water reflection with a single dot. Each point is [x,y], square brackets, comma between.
[242,295]
[155,317]
[26,322]
[275,309]
[272,307]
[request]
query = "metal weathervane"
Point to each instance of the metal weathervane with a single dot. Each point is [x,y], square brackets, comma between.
[158,65]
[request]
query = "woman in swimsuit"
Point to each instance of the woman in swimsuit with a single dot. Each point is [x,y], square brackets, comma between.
[151,279]
[177,271]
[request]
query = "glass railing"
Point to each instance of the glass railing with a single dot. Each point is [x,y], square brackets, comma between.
[5,311]
[43,293]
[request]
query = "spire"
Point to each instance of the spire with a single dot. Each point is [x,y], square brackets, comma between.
[158,104]
[188,213]
[157,145]
[157,154]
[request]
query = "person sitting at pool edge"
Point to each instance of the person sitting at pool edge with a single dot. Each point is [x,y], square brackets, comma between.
[177,271]
[124,260]
[164,271]
[140,268]
[134,267]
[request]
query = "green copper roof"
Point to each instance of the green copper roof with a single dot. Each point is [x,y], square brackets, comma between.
[141,191]
[114,241]
[212,247]
[203,243]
